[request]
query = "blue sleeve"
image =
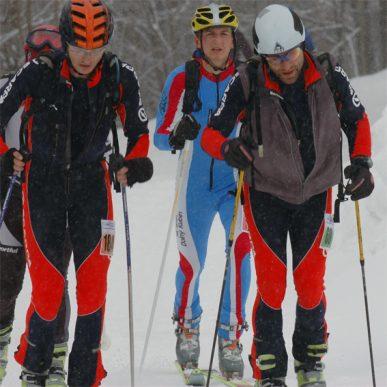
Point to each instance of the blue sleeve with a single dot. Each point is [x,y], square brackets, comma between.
[170,108]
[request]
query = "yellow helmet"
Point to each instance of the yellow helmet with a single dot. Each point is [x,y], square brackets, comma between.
[214,15]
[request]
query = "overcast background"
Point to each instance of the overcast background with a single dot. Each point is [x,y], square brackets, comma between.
[155,35]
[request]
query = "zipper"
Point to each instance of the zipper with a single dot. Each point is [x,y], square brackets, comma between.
[301,180]
[294,130]
[68,134]
[68,144]
[212,174]
[212,159]
[208,120]
[104,110]
[67,182]
[292,118]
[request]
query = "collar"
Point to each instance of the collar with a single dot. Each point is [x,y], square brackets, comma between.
[93,80]
[229,71]
[311,74]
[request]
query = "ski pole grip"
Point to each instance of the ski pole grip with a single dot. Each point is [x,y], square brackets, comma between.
[116,162]
[26,154]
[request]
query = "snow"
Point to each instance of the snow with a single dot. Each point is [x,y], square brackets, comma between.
[347,364]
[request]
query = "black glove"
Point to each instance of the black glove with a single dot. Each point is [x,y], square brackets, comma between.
[362,181]
[236,154]
[139,170]
[187,129]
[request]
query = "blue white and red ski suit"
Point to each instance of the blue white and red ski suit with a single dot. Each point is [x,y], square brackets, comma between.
[208,188]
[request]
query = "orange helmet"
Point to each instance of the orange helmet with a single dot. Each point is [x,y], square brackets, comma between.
[86,23]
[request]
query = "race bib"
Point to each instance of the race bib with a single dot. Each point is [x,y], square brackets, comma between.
[327,238]
[107,239]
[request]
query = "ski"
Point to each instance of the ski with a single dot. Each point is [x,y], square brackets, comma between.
[235,382]
[191,376]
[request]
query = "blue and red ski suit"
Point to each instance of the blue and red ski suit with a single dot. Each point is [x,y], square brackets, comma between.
[208,188]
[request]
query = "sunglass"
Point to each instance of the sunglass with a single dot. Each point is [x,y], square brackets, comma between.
[84,52]
[277,59]
[39,39]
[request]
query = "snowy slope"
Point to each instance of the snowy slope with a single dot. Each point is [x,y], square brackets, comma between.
[149,206]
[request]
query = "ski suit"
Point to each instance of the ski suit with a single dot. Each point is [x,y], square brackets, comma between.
[208,188]
[12,255]
[288,192]
[67,186]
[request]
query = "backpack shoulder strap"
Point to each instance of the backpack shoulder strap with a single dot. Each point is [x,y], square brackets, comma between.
[191,101]
[248,73]
[244,75]
[114,72]
[326,61]
[53,61]
[113,92]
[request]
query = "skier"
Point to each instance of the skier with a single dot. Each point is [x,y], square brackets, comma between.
[208,187]
[43,39]
[290,149]
[74,102]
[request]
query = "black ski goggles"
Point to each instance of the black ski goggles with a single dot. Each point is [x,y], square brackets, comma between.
[38,39]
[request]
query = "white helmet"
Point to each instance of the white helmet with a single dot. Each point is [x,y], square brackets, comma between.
[277,29]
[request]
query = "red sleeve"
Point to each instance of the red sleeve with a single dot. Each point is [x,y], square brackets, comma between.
[169,108]
[362,145]
[212,141]
[140,148]
[3,146]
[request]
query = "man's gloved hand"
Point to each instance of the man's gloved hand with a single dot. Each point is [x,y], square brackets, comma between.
[13,161]
[362,181]
[139,170]
[236,154]
[187,129]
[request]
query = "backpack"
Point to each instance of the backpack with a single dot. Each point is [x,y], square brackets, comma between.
[191,100]
[248,76]
[111,96]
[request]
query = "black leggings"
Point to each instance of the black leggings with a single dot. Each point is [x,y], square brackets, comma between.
[270,221]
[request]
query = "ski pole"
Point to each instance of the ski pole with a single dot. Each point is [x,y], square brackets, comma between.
[164,256]
[228,257]
[14,180]
[130,287]
[362,262]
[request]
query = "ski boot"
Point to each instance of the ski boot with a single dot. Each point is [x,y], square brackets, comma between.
[187,352]
[267,362]
[187,347]
[30,379]
[56,373]
[270,382]
[5,338]
[230,358]
[310,374]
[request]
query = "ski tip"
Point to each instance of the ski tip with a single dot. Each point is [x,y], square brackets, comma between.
[191,376]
